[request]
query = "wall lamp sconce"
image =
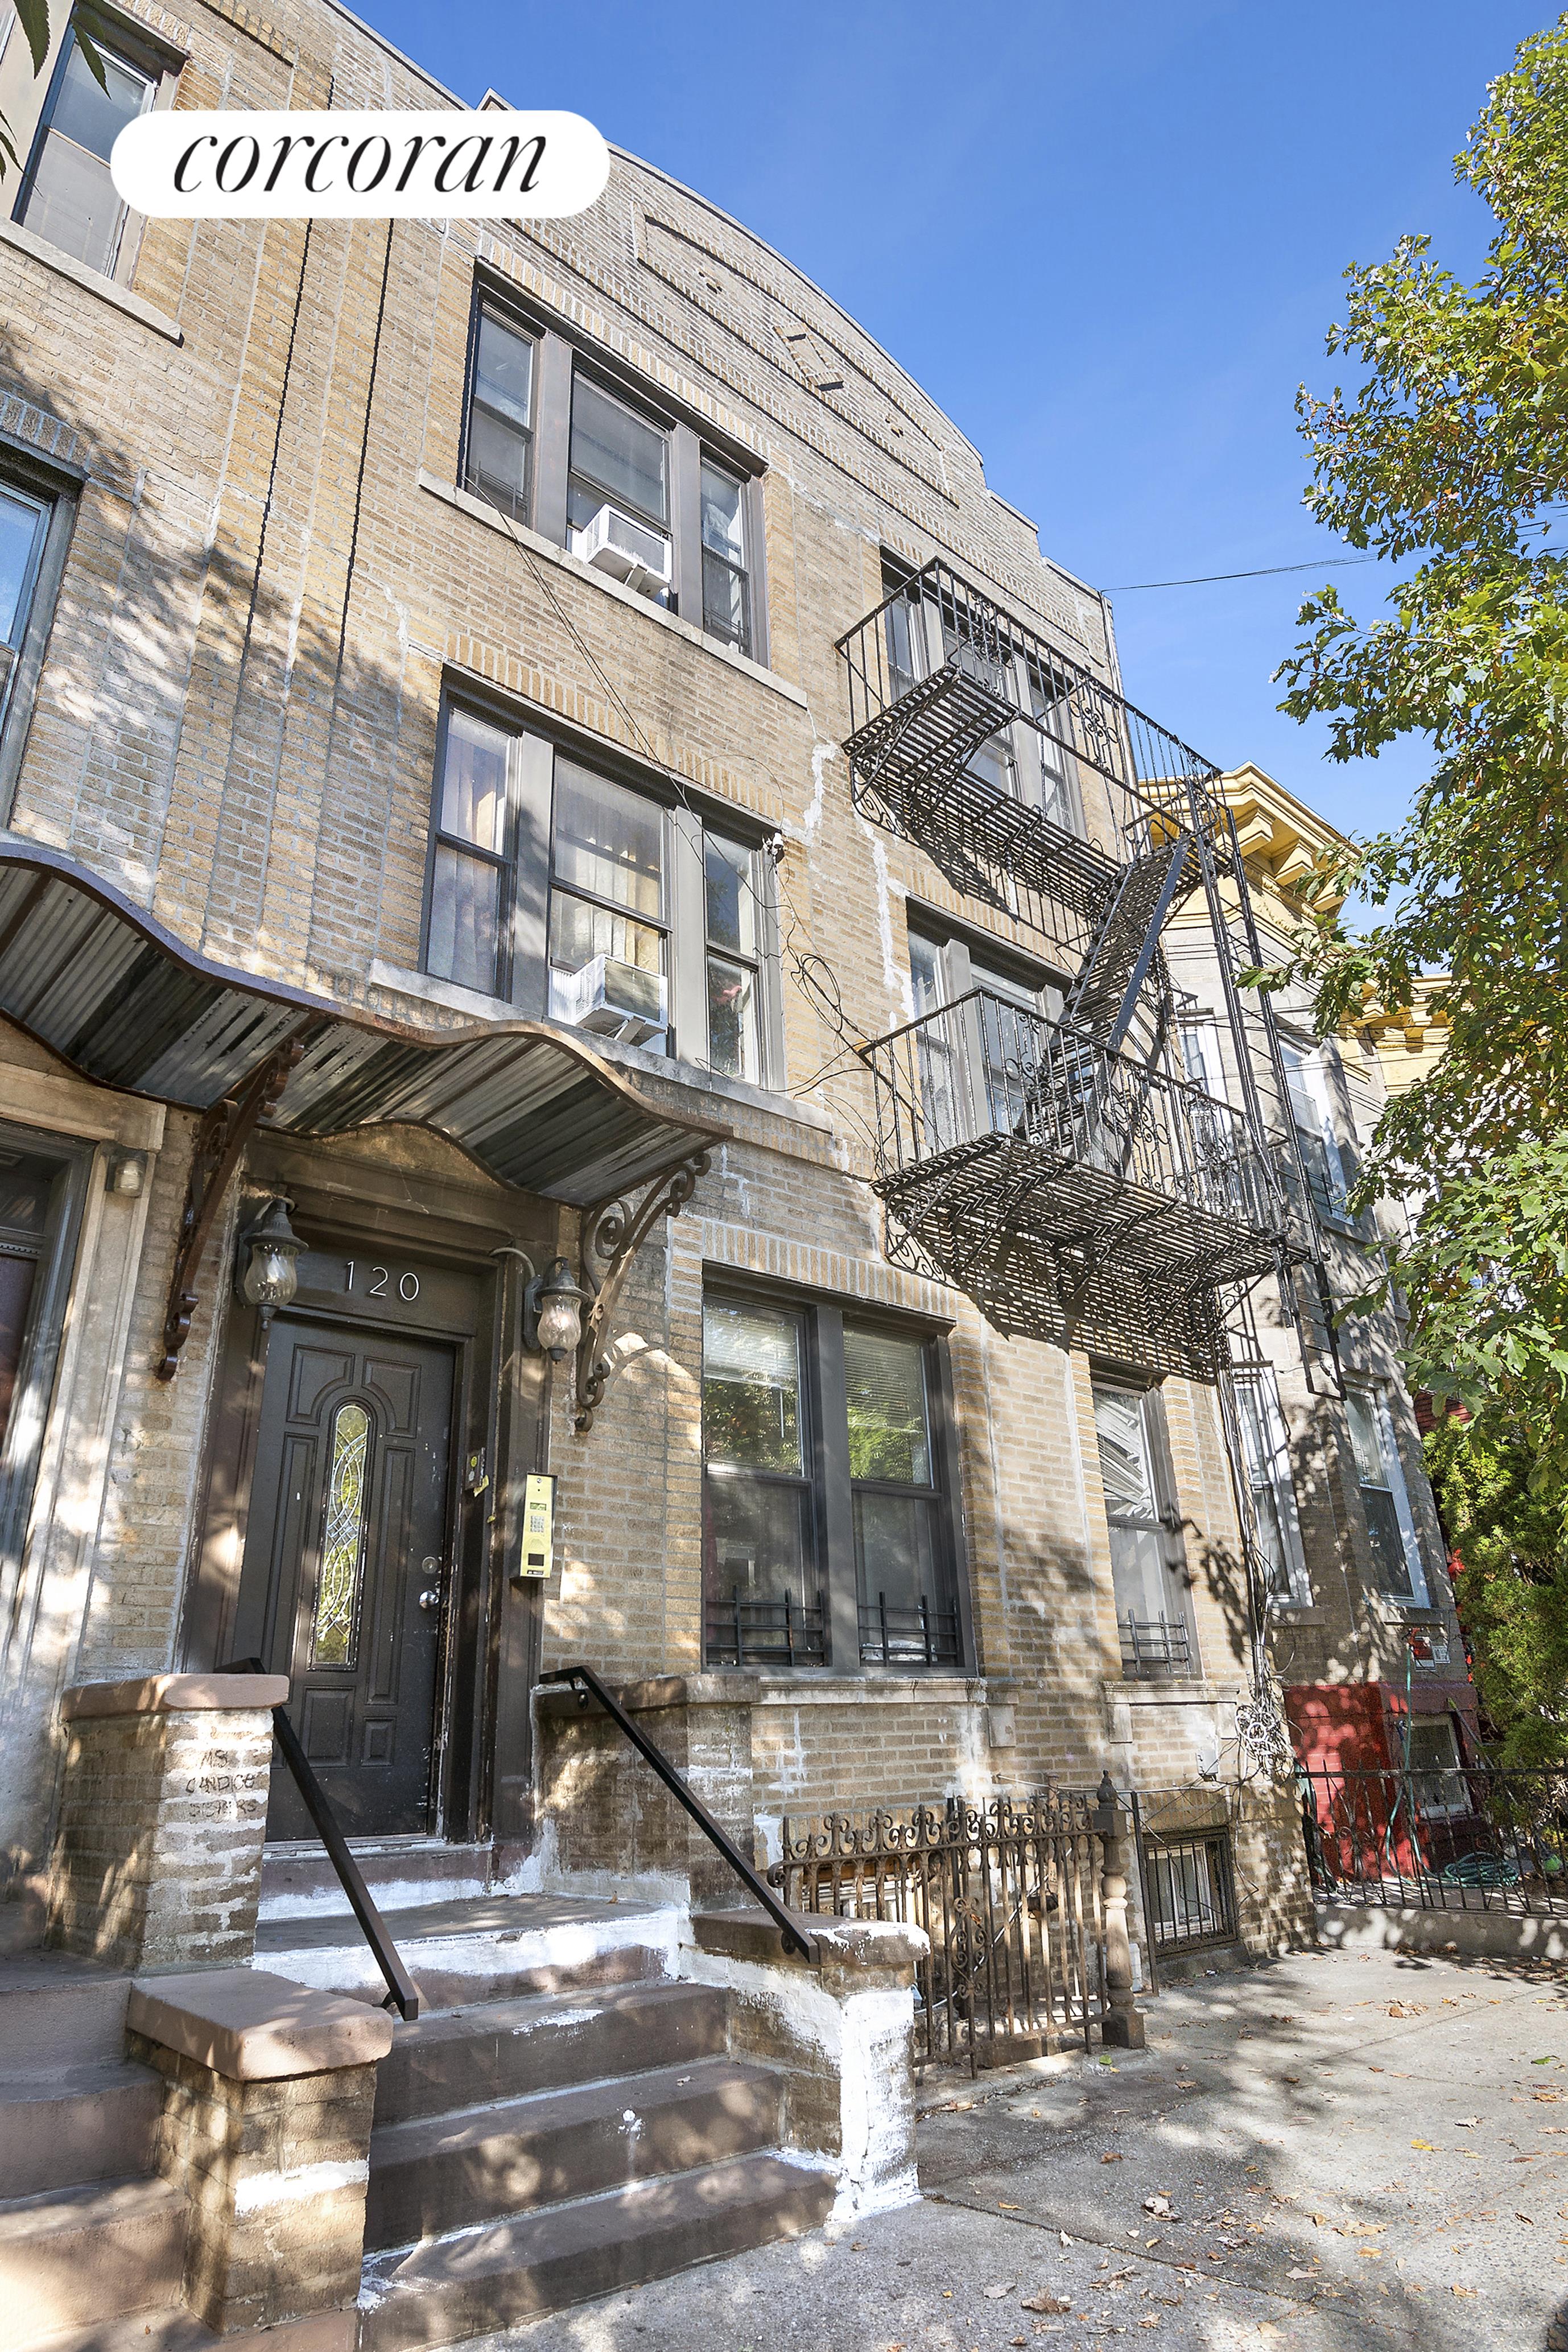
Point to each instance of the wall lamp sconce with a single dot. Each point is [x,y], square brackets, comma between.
[268,1276]
[552,1313]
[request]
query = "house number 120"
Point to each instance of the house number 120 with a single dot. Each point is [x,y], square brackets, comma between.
[379,1276]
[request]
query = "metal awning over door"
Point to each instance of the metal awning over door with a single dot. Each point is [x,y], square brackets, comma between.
[128,1005]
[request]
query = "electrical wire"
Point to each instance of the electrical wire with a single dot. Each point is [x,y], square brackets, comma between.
[1267,571]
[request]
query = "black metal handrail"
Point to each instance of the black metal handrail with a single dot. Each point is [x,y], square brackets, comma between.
[586,1682]
[402,1994]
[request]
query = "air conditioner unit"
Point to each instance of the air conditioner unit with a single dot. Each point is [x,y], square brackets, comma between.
[629,550]
[611,999]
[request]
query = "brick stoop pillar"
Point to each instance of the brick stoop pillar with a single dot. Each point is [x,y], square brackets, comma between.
[841,2034]
[157,1857]
[268,2092]
[606,1819]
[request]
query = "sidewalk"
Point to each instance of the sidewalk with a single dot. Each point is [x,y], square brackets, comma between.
[1354,2152]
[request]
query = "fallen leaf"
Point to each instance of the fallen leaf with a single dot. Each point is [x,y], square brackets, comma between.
[1526,2217]
[1159,2203]
[1002,2207]
[1426,2144]
[1045,2301]
[1306,2274]
[1370,2254]
[1467,2123]
[995,2293]
[1464,2290]
[1113,2158]
[1293,2078]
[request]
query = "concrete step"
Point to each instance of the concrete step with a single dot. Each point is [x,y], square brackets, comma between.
[58,2010]
[138,2331]
[494,1948]
[95,2252]
[473,2281]
[503,2050]
[298,1882]
[79,2124]
[442,2172]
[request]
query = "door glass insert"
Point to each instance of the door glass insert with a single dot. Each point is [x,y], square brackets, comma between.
[334,1637]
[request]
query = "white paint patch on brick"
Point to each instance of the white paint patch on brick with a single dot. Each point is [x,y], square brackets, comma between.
[260,2191]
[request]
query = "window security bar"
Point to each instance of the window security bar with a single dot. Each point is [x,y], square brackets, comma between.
[767,1633]
[911,1635]
[1154,1645]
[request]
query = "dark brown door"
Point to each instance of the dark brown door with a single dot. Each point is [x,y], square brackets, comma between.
[344,1577]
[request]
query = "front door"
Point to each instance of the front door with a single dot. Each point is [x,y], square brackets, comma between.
[344,1573]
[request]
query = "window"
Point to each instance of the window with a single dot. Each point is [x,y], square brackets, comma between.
[617,491]
[499,452]
[1267,1453]
[1324,1156]
[731,897]
[24,527]
[68,195]
[571,895]
[1395,1550]
[826,1524]
[607,929]
[976,1066]
[1438,1778]
[762,1596]
[473,829]
[553,439]
[726,592]
[896,1501]
[1148,1556]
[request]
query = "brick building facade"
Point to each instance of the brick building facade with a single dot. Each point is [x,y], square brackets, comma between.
[426,647]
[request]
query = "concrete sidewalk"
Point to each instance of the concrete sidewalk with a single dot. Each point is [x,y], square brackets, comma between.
[1355,2152]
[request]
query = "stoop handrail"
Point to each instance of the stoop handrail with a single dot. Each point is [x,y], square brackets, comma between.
[585,1682]
[402,1994]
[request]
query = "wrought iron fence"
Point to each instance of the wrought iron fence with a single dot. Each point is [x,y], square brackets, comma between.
[1009,1894]
[1440,1838]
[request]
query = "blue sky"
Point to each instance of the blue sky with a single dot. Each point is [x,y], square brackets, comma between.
[1108,239]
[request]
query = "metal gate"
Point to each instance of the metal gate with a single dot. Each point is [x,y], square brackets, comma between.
[1009,1894]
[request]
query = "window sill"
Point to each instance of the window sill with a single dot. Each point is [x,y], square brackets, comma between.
[427,990]
[877,1686]
[519,534]
[92,281]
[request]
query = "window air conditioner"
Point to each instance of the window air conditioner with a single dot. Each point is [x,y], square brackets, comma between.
[611,999]
[629,550]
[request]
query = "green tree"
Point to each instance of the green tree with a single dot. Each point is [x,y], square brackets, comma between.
[1512,1585]
[1450,456]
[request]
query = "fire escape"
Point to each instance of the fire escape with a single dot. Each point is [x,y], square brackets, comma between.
[1060,1166]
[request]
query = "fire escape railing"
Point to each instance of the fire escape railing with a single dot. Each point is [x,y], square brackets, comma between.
[982,1072]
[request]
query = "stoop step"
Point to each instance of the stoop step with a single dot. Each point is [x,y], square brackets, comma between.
[473,2281]
[138,2331]
[58,2010]
[93,2253]
[79,2124]
[453,2058]
[438,2173]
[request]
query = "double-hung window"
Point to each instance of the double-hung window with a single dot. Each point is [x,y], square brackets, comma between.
[608,925]
[726,586]
[905,1618]
[1148,1556]
[976,1059]
[732,902]
[1390,1523]
[67,197]
[1266,1446]
[827,1533]
[1324,1153]
[763,1597]
[618,490]
[470,884]
[498,445]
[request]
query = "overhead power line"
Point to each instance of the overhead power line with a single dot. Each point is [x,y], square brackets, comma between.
[1202,579]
